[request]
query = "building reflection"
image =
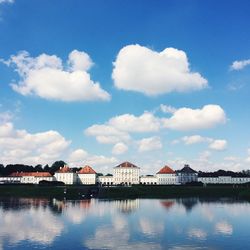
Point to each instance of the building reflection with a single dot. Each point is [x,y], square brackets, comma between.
[58,206]
[188,203]
[23,203]
[127,206]
[167,204]
[25,219]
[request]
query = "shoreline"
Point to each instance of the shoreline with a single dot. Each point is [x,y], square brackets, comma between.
[137,191]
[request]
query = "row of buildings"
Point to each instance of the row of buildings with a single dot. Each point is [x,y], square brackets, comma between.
[125,173]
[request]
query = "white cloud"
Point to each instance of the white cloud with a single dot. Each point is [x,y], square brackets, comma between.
[167,109]
[146,122]
[80,157]
[79,61]
[119,148]
[117,129]
[193,139]
[214,144]
[107,134]
[141,69]
[5,116]
[231,158]
[248,157]
[44,76]
[238,65]
[19,146]
[149,144]
[204,156]
[218,145]
[189,119]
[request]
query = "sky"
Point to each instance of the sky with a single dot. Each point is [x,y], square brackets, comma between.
[101,82]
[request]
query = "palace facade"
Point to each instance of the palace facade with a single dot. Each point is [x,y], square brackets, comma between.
[125,174]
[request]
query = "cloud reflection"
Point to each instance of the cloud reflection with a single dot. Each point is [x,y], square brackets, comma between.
[197,233]
[33,224]
[223,227]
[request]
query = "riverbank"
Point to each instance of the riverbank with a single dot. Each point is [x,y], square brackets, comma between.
[138,191]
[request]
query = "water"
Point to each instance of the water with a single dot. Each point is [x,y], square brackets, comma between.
[124,224]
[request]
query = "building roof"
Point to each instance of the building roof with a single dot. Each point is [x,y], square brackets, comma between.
[65,169]
[87,170]
[35,174]
[126,164]
[166,170]
[186,170]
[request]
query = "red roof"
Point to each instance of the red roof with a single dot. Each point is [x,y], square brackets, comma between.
[126,164]
[87,170]
[166,170]
[65,169]
[35,174]
[167,204]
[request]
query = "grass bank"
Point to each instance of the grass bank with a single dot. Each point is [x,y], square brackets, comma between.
[138,191]
[175,192]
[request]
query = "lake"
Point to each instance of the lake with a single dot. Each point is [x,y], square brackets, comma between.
[189,223]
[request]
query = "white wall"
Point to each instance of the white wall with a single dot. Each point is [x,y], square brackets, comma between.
[224,180]
[166,179]
[106,180]
[149,180]
[126,176]
[67,178]
[87,179]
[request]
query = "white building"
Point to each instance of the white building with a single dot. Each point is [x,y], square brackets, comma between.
[224,180]
[66,175]
[87,176]
[186,175]
[148,180]
[166,176]
[27,177]
[126,174]
[107,180]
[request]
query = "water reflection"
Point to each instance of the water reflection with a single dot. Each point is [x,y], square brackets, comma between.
[190,223]
[28,219]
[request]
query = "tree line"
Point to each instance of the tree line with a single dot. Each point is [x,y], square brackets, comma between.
[12,168]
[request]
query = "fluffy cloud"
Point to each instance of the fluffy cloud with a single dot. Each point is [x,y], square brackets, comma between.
[19,146]
[214,144]
[147,122]
[119,148]
[45,76]
[238,65]
[117,129]
[5,116]
[167,109]
[218,145]
[107,134]
[193,139]
[141,69]
[189,119]
[80,157]
[149,144]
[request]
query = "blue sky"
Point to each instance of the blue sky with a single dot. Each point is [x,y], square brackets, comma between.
[100,82]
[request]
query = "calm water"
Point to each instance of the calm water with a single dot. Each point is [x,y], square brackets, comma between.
[127,224]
